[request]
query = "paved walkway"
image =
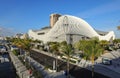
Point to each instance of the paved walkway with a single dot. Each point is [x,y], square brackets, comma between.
[46,73]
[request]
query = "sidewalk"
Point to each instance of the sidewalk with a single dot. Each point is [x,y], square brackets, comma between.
[46,73]
[21,70]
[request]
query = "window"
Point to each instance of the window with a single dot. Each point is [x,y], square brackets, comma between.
[41,33]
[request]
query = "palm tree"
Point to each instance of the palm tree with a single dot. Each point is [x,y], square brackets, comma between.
[18,42]
[80,47]
[104,43]
[67,51]
[92,50]
[115,41]
[27,45]
[96,52]
[54,47]
[37,42]
[23,43]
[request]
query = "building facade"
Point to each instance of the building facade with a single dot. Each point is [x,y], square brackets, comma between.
[53,19]
[71,29]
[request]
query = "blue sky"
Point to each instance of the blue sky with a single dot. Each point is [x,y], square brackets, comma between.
[18,16]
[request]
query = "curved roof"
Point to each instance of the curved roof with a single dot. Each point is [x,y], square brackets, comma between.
[67,24]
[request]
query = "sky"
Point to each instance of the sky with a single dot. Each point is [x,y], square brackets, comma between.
[18,16]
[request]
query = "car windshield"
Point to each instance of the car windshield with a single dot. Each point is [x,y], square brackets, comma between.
[105,59]
[14,46]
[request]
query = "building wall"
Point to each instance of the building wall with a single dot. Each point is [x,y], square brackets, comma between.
[78,28]
[53,19]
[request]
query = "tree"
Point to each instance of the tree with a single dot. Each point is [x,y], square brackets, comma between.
[36,43]
[104,43]
[96,50]
[115,41]
[54,47]
[27,44]
[23,43]
[67,51]
[19,43]
[92,50]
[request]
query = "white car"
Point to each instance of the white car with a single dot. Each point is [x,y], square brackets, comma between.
[106,61]
[3,49]
[13,47]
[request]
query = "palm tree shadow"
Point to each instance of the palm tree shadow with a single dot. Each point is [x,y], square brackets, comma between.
[73,68]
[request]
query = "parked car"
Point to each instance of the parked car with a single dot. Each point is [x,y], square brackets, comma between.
[3,49]
[13,47]
[106,61]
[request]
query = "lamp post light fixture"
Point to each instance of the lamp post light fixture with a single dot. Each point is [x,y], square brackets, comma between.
[66,29]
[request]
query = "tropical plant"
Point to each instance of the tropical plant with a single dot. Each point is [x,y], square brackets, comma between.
[92,50]
[15,52]
[67,51]
[80,46]
[104,44]
[54,47]
[27,45]
[115,41]
[22,44]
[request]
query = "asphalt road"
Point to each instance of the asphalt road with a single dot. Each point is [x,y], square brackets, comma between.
[6,68]
[75,71]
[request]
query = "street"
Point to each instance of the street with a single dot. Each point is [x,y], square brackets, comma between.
[75,71]
[6,68]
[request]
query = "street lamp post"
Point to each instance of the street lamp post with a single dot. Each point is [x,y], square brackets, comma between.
[66,28]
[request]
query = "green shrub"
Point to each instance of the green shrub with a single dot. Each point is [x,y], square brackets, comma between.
[16,52]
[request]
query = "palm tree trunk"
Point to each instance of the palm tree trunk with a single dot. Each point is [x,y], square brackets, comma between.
[56,64]
[93,67]
[53,64]
[92,71]
[68,67]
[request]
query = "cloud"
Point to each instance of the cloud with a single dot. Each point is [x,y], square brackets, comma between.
[102,9]
[6,31]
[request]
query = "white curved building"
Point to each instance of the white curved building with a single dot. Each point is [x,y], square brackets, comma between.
[71,28]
